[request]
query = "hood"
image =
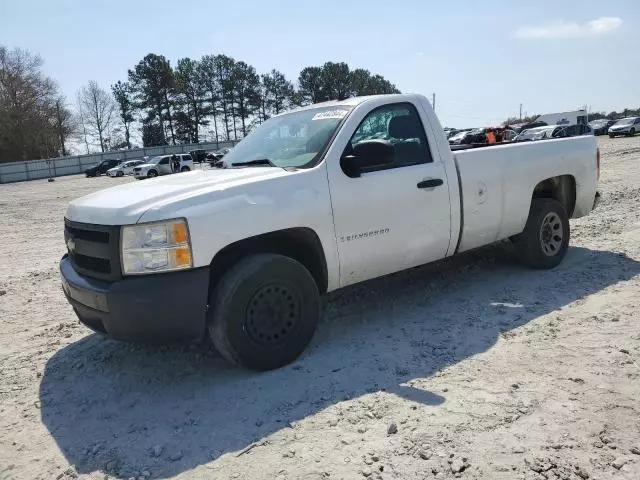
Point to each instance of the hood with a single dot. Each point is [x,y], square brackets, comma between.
[125,204]
[114,169]
[145,165]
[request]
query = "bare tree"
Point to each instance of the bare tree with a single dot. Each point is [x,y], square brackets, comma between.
[97,111]
[64,124]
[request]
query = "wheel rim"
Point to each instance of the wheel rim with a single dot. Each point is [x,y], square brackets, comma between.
[272,314]
[152,174]
[551,234]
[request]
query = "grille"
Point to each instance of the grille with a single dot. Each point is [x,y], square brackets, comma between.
[94,249]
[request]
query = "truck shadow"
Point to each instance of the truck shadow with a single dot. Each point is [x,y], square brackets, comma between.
[124,408]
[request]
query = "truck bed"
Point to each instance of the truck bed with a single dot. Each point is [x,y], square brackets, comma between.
[497,183]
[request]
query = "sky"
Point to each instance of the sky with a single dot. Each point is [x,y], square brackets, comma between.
[481,59]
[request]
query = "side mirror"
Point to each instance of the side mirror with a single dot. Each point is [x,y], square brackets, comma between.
[366,155]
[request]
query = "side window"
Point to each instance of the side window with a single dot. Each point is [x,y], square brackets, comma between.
[637,121]
[401,127]
[186,158]
[164,161]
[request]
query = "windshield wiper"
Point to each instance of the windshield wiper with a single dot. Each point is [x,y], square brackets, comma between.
[254,163]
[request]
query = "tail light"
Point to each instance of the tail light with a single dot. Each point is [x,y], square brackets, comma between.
[598,161]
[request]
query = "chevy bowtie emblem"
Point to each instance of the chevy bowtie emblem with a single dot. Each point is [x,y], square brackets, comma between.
[71,245]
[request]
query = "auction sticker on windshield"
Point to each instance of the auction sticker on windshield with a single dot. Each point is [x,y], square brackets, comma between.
[329,114]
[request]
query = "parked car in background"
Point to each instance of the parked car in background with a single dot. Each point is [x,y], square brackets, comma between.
[214,157]
[627,126]
[125,168]
[469,137]
[509,135]
[575,130]
[537,133]
[101,168]
[199,155]
[161,165]
[601,126]
[554,131]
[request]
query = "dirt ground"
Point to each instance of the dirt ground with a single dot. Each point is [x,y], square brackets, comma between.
[476,368]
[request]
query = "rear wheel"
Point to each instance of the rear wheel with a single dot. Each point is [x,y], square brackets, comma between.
[185,169]
[152,173]
[545,239]
[264,311]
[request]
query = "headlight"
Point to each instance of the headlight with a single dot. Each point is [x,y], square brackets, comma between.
[156,247]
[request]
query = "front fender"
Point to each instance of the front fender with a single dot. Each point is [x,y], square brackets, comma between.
[222,217]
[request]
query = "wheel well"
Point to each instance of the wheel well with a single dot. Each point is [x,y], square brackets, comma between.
[561,188]
[301,244]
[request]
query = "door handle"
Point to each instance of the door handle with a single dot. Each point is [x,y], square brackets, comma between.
[432,182]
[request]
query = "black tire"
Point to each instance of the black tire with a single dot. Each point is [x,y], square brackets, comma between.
[545,238]
[119,174]
[612,136]
[152,174]
[264,312]
[185,169]
[632,132]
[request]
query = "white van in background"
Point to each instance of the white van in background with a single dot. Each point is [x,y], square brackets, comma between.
[564,118]
[161,165]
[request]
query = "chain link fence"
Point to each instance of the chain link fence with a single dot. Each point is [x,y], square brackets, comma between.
[58,167]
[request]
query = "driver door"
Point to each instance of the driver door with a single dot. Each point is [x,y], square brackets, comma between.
[393,216]
[164,166]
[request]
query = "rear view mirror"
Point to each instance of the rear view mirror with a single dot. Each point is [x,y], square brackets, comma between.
[367,155]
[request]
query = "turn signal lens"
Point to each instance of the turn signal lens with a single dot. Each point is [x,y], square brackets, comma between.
[179,233]
[181,257]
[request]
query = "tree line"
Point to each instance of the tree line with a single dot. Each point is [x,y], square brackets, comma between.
[158,103]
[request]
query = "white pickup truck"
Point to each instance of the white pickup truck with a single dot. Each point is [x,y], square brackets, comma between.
[313,200]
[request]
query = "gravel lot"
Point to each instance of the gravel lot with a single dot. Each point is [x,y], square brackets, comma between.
[476,368]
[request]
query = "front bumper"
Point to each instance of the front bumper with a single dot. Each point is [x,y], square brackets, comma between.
[619,132]
[163,307]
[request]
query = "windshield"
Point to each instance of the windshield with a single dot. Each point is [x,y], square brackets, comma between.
[625,121]
[290,140]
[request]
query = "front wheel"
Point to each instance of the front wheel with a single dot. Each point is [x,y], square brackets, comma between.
[545,238]
[152,173]
[119,174]
[611,136]
[264,311]
[632,132]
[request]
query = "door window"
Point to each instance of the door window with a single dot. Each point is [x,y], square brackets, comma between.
[164,161]
[400,126]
